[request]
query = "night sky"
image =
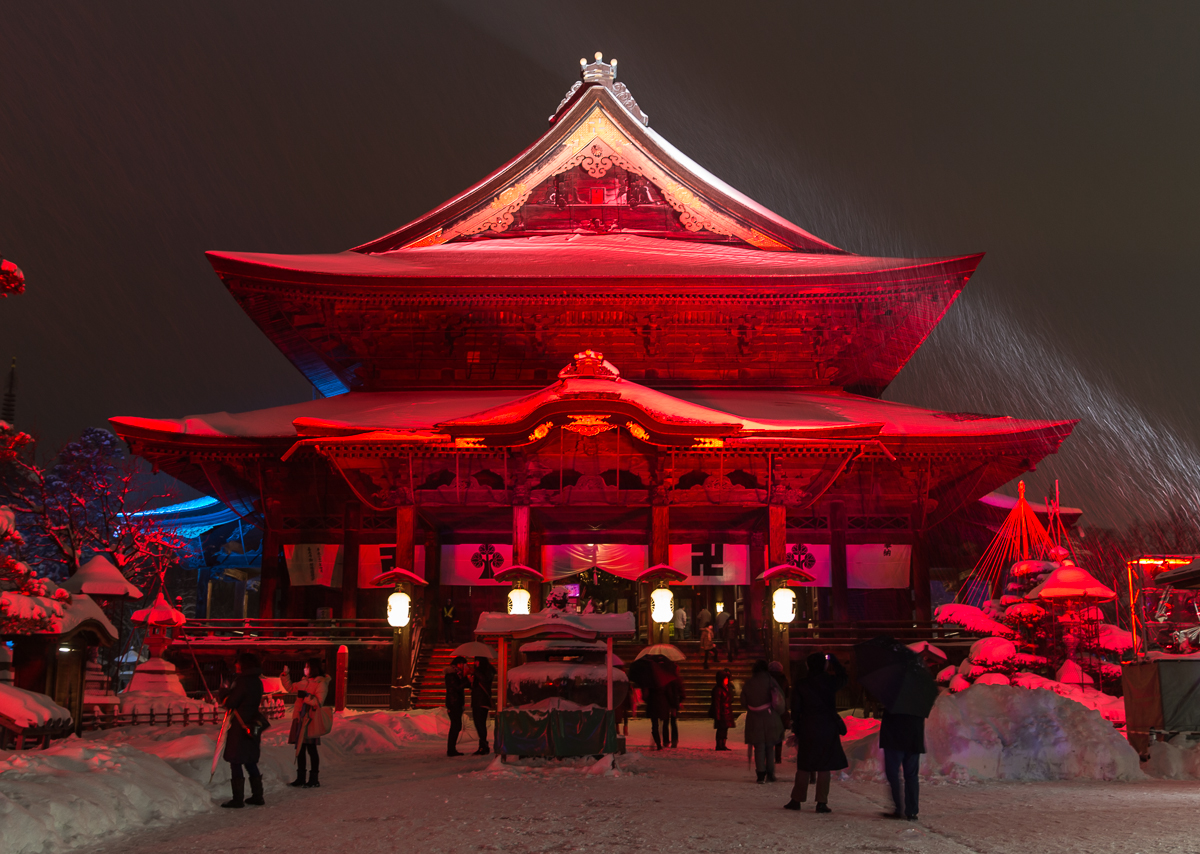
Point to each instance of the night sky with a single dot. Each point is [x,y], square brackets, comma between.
[1060,138]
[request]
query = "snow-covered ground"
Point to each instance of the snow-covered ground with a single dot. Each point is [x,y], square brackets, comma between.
[387,785]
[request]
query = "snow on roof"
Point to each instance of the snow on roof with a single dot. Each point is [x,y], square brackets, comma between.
[766,410]
[64,617]
[1071,582]
[552,671]
[98,577]
[573,256]
[29,708]
[551,621]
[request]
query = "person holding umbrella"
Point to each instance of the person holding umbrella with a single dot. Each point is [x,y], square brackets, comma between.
[245,731]
[481,700]
[819,729]
[899,680]
[456,698]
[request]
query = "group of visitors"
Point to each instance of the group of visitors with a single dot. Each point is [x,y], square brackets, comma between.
[818,729]
[477,677]
[722,630]
[245,724]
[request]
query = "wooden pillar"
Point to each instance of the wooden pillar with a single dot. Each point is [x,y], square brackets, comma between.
[837,561]
[779,649]
[351,526]
[660,534]
[535,562]
[922,607]
[757,591]
[268,584]
[520,535]
[433,587]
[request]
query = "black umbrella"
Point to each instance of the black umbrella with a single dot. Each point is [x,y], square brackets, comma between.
[895,676]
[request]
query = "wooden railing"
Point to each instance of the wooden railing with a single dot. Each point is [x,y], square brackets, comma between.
[273,707]
[356,630]
[863,630]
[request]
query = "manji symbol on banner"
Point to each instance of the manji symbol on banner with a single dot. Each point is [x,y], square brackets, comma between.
[708,559]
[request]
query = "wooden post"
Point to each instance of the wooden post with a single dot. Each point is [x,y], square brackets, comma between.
[660,552]
[922,606]
[350,534]
[269,575]
[343,666]
[609,667]
[520,535]
[780,648]
[837,561]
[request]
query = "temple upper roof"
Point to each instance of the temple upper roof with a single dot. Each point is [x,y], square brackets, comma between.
[601,224]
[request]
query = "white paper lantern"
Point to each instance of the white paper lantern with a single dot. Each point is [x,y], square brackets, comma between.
[399,609]
[662,605]
[783,605]
[518,601]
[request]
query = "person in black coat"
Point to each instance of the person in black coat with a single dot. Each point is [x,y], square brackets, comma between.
[902,738]
[242,699]
[456,698]
[819,729]
[481,700]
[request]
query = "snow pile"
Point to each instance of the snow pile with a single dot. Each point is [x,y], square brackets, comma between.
[29,708]
[1177,759]
[77,791]
[381,732]
[609,765]
[997,732]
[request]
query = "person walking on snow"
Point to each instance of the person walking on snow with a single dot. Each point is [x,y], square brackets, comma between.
[902,738]
[721,710]
[675,696]
[481,700]
[242,743]
[764,704]
[311,693]
[456,698]
[707,644]
[819,729]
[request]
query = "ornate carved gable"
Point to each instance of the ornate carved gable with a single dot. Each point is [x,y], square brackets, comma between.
[600,169]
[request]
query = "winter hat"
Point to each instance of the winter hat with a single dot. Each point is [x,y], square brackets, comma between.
[775,667]
[458,659]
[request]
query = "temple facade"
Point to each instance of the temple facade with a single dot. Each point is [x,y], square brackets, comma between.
[598,359]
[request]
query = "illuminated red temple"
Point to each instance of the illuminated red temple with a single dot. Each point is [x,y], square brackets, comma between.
[597,359]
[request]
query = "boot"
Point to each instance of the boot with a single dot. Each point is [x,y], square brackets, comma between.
[238,785]
[256,792]
[762,776]
[300,780]
[823,808]
[313,782]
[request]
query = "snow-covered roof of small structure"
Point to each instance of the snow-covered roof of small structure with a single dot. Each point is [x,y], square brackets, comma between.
[161,613]
[550,621]
[66,618]
[30,709]
[99,577]
[552,671]
[1071,582]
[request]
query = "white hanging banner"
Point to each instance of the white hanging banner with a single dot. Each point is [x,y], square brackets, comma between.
[712,563]
[564,560]
[474,565]
[310,563]
[874,566]
[373,560]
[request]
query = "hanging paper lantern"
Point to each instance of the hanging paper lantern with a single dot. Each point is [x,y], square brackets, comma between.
[662,605]
[399,609]
[518,601]
[783,605]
